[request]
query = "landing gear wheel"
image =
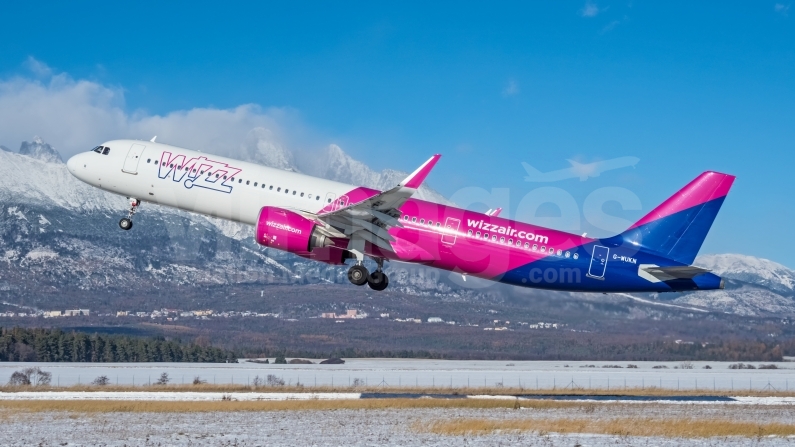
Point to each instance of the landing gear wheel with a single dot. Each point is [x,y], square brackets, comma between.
[125,224]
[378,281]
[358,274]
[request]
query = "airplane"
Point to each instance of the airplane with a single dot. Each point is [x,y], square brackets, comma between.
[334,223]
[578,170]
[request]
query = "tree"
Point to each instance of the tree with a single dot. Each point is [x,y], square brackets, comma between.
[30,376]
[163,380]
[101,381]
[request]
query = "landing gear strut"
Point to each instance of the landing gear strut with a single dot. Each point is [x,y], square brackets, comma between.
[127,223]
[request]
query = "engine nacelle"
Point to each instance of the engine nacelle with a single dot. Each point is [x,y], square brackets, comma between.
[288,231]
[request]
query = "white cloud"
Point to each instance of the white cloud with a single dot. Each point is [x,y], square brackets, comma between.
[75,115]
[512,89]
[589,10]
[781,9]
[37,67]
[610,26]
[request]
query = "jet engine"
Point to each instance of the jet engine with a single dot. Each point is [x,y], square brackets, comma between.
[289,231]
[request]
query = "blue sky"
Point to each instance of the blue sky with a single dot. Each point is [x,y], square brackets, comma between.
[683,86]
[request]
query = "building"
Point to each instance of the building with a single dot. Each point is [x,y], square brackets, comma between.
[52,313]
[435,320]
[76,313]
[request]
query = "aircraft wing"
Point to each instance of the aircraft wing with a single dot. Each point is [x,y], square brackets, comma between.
[675,272]
[369,220]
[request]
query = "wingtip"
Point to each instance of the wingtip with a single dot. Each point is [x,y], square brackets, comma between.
[415,179]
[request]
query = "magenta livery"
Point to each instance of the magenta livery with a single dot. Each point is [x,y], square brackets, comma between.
[336,223]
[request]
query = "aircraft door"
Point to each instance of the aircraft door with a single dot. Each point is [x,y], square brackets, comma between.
[598,262]
[330,200]
[133,157]
[451,225]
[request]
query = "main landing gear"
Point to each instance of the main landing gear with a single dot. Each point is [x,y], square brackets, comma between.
[127,223]
[358,275]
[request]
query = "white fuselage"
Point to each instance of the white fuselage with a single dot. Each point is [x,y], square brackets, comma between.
[202,183]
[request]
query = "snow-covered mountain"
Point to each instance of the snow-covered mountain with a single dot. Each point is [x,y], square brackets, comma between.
[57,232]
[40,150]
[754,286]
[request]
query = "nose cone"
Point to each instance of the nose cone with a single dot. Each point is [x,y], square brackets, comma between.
[73,163]
[77,166]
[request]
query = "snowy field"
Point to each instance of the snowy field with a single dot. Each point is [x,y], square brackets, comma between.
[437,373]
[387,427]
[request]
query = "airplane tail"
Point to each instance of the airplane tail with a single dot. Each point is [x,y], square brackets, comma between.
[677,228]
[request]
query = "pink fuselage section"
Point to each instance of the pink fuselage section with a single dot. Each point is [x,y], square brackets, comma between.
[469,242]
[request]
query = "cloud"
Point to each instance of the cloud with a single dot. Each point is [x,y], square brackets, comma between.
[610,26]
[512,89]
[76,115]
[589,10]
[781,9]
[38,68]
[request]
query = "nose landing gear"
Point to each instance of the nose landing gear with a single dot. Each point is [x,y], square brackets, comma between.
[127,223]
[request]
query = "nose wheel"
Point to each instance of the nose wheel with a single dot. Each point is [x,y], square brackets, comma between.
[127,223]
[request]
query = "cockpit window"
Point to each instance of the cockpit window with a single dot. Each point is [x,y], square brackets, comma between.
[97,149]
[106,151]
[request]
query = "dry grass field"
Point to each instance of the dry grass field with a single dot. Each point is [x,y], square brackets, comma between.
[498,391]
[638,427]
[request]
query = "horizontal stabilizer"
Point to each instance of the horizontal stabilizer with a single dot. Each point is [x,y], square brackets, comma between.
[673,272]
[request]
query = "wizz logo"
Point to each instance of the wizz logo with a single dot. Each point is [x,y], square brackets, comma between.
[197,171]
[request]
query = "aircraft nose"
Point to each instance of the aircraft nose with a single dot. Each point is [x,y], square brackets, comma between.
[71,164]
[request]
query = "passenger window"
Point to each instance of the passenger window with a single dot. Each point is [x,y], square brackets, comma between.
[486,236]
[317,197]
[329,200]
[422,221]
[535,247]
[271,188]
[302,194]
[518,243]
[438,224]
[148,160]
[543,249]
[477,234]
[413,219]
[106,151]
[510,241]
[527,245]
[494,238]
[469,233]
[170,166]
[279,189]
[286,191]
[405,217]
[248,182]
[294,191]
[502,240]
[255,184]
[202,172]
[430,222]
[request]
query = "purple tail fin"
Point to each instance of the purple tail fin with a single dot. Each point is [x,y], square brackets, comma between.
[677,228]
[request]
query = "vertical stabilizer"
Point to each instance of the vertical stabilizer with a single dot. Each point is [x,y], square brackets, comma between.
[677,228]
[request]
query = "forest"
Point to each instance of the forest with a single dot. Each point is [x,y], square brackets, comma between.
[55,345]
